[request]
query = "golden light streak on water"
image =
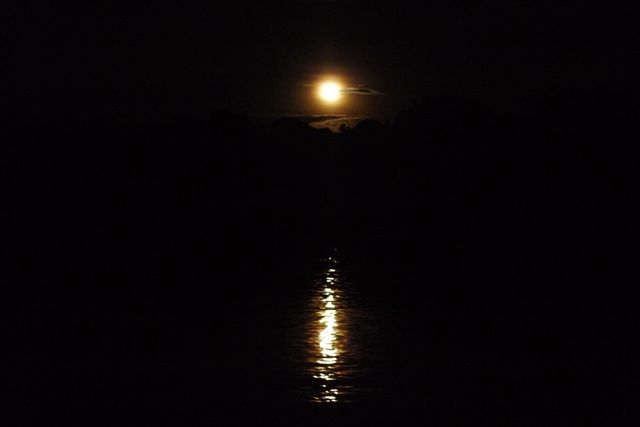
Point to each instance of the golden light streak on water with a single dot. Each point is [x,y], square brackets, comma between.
[328,343]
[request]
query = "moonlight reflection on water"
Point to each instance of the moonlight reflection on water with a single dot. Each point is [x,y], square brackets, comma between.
[329,334]
[335,329]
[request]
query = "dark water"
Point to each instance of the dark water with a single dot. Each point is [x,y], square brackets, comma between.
[307,339]
[343,341]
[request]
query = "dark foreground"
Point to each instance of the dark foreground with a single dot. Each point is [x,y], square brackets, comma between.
[166,271]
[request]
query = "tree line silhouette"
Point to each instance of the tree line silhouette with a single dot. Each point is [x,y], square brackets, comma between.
[442,168]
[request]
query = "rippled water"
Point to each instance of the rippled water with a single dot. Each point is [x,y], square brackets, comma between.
[334,331]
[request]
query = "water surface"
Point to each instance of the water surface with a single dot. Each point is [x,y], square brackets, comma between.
[334,337]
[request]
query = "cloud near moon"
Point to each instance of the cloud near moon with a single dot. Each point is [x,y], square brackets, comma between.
[360,91]
[356,90]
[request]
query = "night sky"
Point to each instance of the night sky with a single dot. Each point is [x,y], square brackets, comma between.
[260,59]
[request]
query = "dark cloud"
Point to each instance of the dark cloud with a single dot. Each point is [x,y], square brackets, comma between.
[361,91]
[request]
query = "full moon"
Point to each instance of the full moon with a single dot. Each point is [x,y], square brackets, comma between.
[330,92]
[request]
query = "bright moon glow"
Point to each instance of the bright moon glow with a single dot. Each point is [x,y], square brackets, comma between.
[330,92]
